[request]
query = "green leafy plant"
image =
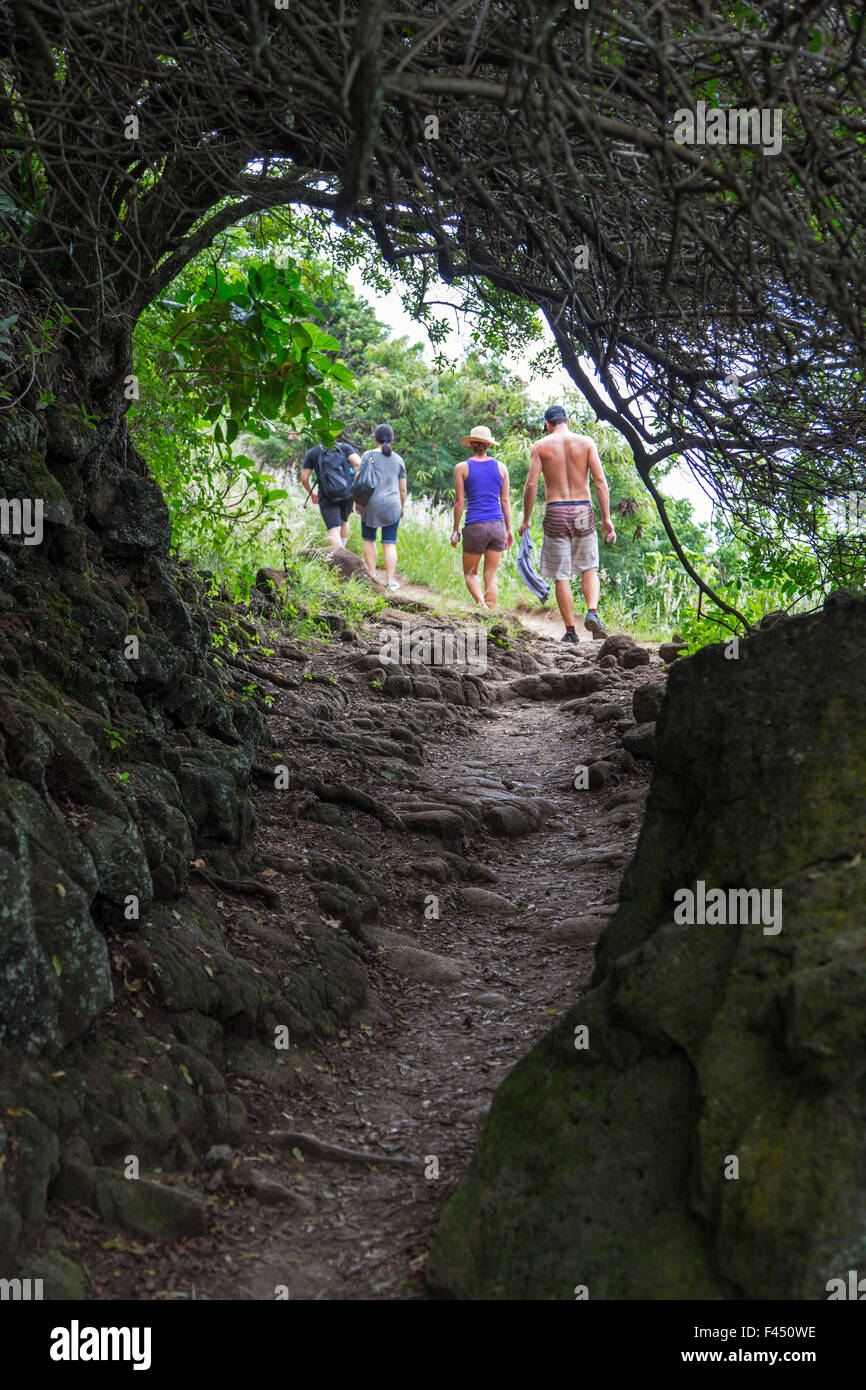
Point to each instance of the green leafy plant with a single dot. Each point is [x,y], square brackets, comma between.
[246,345]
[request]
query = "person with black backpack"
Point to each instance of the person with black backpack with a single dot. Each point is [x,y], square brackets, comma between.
[380,497]
[335,470]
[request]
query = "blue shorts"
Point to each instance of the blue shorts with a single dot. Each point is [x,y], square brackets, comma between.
[389,533]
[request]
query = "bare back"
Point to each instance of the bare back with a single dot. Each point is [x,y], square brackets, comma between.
[565,460]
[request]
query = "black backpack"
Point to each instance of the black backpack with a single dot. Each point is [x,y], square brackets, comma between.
[333,475]
[365,481]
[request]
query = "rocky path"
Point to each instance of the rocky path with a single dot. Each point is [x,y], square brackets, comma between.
[491,889]
[497,976]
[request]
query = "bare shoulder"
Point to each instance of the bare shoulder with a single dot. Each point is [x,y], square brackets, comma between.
[461,469]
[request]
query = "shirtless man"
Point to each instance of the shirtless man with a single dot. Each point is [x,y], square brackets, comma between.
[570,539]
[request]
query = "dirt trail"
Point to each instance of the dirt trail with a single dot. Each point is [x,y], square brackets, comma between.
[416,1078]
[425,1085]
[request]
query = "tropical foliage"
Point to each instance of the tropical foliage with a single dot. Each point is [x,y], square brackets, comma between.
[263,348]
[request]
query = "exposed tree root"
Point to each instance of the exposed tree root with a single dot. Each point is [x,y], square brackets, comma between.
[335,1153]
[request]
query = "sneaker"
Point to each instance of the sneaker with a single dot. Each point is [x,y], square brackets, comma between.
[592,622]
[570,636]
[391,584]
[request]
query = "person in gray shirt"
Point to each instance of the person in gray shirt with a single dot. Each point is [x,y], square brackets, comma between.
[385,507]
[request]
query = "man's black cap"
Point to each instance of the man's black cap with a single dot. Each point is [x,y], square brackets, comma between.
[555,414]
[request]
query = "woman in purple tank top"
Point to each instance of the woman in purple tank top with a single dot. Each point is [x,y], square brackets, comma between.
[481,484]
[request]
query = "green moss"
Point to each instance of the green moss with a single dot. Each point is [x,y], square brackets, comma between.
[26,474]
[62,1278]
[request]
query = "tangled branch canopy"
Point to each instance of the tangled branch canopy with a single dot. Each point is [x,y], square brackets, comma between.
[526,148]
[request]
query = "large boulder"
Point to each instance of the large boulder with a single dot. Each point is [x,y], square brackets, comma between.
[693,1127]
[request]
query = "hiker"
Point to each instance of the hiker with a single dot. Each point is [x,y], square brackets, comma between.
[570,540]
[334,469]
[482,482]
[384,510]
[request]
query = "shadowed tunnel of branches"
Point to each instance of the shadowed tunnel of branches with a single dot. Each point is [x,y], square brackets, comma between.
[518,149]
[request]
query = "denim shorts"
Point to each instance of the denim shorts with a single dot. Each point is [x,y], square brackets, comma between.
[389,533]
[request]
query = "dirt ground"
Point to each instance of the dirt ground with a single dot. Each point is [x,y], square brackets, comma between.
[415,1079]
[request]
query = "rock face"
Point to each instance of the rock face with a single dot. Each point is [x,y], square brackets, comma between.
[125,751]
[693,1127]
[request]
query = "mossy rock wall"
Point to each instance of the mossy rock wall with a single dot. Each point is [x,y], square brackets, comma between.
[116,771]
[708,1140]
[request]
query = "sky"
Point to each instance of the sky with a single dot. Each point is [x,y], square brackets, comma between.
[389,309]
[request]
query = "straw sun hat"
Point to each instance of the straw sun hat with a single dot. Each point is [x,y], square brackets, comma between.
[480,435]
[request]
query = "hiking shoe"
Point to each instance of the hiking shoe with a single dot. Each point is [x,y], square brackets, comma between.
[569,636]
[592,622]
[391,584]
